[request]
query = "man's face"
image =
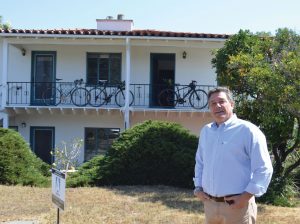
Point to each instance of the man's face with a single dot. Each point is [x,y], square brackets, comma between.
[220,107]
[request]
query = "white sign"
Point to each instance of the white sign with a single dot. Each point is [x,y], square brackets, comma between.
[58,188]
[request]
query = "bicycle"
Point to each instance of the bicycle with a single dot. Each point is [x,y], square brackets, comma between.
[170,97]
[99,95]
[54,96]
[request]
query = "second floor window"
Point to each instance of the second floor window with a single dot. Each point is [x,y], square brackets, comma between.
[103,66]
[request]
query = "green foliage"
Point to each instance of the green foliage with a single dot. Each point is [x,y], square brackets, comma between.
[150,153]
[4,25]
[281,192]
[264,74]
[87,173]
[18,165]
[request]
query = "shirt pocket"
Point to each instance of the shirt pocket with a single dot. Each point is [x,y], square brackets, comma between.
[234,150]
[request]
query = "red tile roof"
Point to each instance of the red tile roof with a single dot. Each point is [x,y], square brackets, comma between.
[133,33]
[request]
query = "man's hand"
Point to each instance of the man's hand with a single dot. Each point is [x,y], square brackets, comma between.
[199,193]
[239,201]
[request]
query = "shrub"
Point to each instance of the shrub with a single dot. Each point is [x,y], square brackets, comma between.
[281,192]
[87,173]
[150,153]
[18,165]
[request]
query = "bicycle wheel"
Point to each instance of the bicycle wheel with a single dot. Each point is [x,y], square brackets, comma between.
[120,98]
[80,97]
[97,97]
[51,96]
[168,98]
[198,99]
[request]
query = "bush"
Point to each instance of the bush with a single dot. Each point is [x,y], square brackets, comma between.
[281,192]
[150,153]
[18,165]
[86,174]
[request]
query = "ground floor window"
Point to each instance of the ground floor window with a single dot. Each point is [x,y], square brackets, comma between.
[98,140]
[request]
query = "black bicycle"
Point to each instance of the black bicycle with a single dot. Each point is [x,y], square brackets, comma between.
[170,97]
[77,95]
[103,93]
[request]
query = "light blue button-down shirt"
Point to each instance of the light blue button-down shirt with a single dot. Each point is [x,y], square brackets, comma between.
[232,158]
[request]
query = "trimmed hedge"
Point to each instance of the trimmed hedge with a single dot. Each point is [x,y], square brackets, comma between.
[151,153]
[18,165]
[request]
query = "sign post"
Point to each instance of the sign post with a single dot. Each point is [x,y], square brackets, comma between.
[58,190]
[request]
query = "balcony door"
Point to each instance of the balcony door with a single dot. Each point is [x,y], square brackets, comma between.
[43,74]
[42,142]
[162,75]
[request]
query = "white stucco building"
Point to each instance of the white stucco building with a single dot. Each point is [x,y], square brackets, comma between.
[149,61]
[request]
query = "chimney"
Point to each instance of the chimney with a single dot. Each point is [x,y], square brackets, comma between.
[119,24]
[120,16]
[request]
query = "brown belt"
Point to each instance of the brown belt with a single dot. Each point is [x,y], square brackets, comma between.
[222,199]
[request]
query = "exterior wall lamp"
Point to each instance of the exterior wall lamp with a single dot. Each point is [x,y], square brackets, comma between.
[23,124]
[184,55]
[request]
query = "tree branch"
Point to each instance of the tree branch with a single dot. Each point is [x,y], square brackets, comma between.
[296,143]
[291,168]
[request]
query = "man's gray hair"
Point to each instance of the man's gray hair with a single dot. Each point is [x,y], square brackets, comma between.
[220,89]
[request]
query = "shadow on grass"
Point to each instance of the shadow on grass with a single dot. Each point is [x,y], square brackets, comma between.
[175,198]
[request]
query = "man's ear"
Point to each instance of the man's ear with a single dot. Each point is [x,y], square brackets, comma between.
[232,104]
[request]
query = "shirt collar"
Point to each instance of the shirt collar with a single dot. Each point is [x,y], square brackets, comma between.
[226,123]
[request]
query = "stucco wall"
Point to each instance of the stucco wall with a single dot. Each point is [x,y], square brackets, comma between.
[71,62]
[67,127]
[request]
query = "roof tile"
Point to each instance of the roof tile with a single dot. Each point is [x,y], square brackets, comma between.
[154,33]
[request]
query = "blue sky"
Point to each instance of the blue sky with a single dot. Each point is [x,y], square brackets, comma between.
[210,16]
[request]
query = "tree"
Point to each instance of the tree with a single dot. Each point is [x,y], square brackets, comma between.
[4,25]
[66,156]
[263,71]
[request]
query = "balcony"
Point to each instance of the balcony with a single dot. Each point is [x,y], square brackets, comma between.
[77,95]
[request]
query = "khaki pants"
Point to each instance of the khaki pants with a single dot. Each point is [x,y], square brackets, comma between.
[222,213]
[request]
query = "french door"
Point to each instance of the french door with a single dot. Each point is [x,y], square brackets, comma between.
[162,75]
[42,142]
[43,74]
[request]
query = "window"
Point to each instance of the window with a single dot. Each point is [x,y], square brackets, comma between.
[98,140]
[103,66]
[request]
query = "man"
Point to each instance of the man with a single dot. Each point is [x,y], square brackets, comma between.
[232,164]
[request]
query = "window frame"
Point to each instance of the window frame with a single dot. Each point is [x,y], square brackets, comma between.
[98,142]
[110,66]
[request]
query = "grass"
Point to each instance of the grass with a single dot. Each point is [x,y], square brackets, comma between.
[124,204]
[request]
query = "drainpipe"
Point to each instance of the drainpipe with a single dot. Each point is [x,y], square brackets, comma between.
[127,86]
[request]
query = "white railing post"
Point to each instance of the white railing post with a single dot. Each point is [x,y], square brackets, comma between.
[4,73]
[127,85]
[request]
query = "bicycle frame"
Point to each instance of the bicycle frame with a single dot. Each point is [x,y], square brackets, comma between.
[186,94]
[59,92]
[66,92]
[170,97]
[103,93]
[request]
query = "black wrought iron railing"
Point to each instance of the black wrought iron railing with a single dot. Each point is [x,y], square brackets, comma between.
[70,94]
